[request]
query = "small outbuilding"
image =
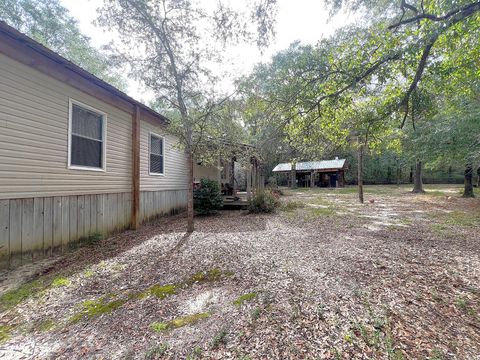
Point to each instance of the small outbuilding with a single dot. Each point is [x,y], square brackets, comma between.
[324,173]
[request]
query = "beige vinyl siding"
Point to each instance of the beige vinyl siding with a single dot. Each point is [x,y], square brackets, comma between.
[175,162]
[34,116]
[205,172]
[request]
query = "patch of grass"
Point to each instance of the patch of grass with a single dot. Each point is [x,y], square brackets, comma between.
[88,273]
[397,355]
[246,297]
[347,190]
[438,228]
[291,205]
[461,218]
[197,353]
[93,308]
[5,331]
[205,276]
[436,296]
[461,303]
[361,331]
[219,339]
[179,322]
[320,212]
[60,282]
[162,292]
[14,297]
[46,325]
[156,351]
[405,221]
[437,354]
[159,326]
[159,291]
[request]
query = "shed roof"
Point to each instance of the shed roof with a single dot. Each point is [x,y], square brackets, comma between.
[336,164]
[24,49]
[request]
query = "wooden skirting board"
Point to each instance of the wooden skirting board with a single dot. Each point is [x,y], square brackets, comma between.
[34,228]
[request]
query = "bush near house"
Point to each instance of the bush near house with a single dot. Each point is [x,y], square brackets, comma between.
[207,198]
[264,202]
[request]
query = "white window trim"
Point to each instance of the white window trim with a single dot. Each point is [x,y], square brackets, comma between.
[149,152]
[71,102]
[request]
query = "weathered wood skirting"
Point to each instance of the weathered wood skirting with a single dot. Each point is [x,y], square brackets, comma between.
[33,228]
[155,203]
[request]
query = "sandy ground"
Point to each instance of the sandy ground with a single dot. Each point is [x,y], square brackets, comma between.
[326,278]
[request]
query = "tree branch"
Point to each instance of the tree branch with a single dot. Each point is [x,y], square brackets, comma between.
[459,14]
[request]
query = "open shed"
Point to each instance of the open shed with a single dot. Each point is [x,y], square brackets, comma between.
[323,173]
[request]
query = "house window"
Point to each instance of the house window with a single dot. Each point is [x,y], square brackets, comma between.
[87,137]
[156,155]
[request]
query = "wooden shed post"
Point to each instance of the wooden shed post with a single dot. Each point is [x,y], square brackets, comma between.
[135,168]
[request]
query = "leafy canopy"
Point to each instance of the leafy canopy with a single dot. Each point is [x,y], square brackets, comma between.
[51,24]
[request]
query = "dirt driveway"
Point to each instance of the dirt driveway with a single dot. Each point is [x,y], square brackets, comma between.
[325,277]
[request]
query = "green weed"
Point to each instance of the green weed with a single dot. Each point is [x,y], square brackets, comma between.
[437,354]
[14,297]
[461,303]
[46,325]
[5,333]
[179,322]
[205,276]
[244,298]
[156,351]
[88,273]
[60,282]
[219,338]
[93,308]
[436,296]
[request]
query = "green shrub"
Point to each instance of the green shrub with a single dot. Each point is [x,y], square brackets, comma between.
[264,202]
[207,198]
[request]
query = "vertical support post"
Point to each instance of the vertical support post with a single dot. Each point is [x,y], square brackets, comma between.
[254,177]
[219,174]
[234,183]
[312,179]
[135,168]
[249,181]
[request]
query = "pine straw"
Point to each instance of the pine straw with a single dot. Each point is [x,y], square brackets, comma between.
[396,278]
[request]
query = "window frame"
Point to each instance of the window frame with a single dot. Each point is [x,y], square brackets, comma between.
[104,115]
[150,134]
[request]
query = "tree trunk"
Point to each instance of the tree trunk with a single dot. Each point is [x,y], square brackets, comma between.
[468,192]
[190,225]
[399,173]
[418,183]
[360,174]
[478,180]
[293,177]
